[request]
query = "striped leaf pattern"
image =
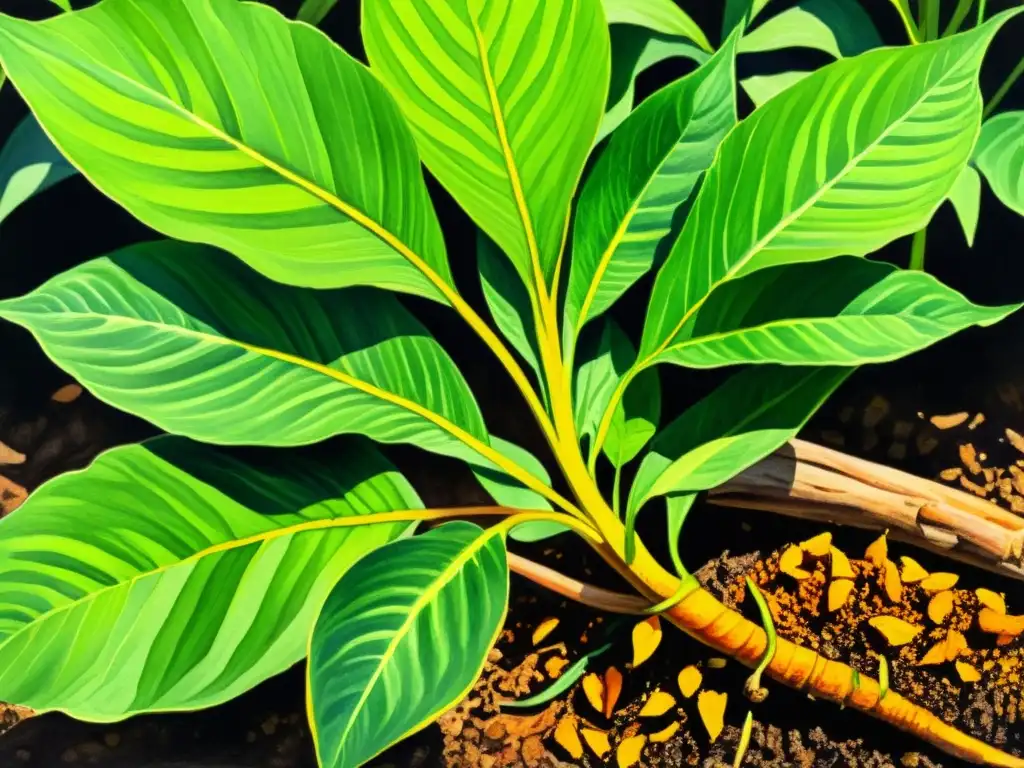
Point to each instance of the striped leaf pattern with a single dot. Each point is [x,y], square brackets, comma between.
[859,153]
[403,637]
[640,182]
[29,164]
[846,311]
[1000,157]
[661,16]
[505,97]
[234,358]
[173,576]
[837,27]
[294,158]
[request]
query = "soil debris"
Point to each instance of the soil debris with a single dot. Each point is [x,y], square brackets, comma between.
[949,421]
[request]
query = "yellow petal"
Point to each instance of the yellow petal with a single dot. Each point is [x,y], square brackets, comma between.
[938,582]
[711,706]
[940,606]
[895,631]
[912,571]
[612,689]
[936,654]
[789,563]
[627,754]
[818,546]
[665,734]
[597,741]
[1000,623]
[544,629]
[568,737]
[967,673]
[593,687]
[956,644]
[659,703]
[689,681]
[646,637]
[838,593]
[893,585]
[991,599]
[840,565]
[877,551]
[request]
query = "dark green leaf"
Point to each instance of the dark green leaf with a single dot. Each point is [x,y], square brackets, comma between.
[29,164]
[999,155]
[837,27]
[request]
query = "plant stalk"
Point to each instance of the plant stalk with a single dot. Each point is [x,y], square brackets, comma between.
[917,248]
[1003,89]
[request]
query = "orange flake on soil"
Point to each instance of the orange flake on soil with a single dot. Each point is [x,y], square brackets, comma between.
[951,474]
[935,655]
[956,644]
[841,568]
[1015,439]
[658,704]
[877,551]
[665,734]
[555,665]
[939,606]
[711,706]
[67,394]
[949,421]
[977,421]
[895,631]
[544,629]
[893,585]
[627,754]
[789,563]
[597,741]
[817,546]
[568,737]
[991,599]
[1005,639]
[969,458]
[10,456]
[999,623]
[838,594]
[939,582]
[912,571]
[967,673]
[689,681]
[612,689]
[717,662]
[646,638]
[593,688]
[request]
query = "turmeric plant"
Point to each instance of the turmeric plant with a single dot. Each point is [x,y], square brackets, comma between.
[280,312]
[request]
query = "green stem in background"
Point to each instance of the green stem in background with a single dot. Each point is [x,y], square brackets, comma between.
[928,19]
[1006,86]
[917,249]
[963,7]
[981,11]
[617,491]
[752,688]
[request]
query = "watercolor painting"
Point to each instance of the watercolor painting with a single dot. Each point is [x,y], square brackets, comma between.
[493,383]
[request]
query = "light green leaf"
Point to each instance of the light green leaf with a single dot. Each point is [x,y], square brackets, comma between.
[855,155]
[171,575]
[196,342]
[837,27]
[64,5]
[296,159]
[737,425]
[677,510]
[661,16]
[642,181]
[760,88]
[314,11]
[29,164]
[740,11]
[635,419]
[845,311]
[505,99]
[605,359]
[403,637]
[966,199]
[999,155]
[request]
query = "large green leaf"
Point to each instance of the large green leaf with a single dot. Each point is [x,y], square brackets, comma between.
[845,311]
[859,153]
[741,422]
[740,12]
[403,637]
[505,97]
[29,164]
[173,576]
[661,16]
[640,183]
[966,199]
[1000,157]
[196,342]
[221,122]
[837,27]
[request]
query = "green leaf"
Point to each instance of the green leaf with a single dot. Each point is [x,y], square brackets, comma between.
[760,88]
[999,155]
[741,422]
[661,16]
[677,510]
[197,343]
[314,11]
[163,105]
[29,164]
[855,155]
[171,575]
[64,5]
[837,27]
[635,419]
[622,217]
[403,637]
[845,311]
[505,105]
[606,358]
[966,199]
[740,12]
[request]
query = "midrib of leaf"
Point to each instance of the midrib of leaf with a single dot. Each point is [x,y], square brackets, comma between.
[421,602]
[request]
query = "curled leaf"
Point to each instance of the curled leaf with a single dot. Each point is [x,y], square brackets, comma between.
[789,563]
[646,638]
[893,585]
[940,606]
[544,629]
[658,704]
[817,546]
[895,631]
[568,738]
[627,754]
[967,673]
[991,599]
[999,623]
[937,582]
[877,551]
[841,568]
[689,681]
[597,741]
[593,688]
[612,689]
[711,706]
[838,593]
[912,571]
[665,734]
